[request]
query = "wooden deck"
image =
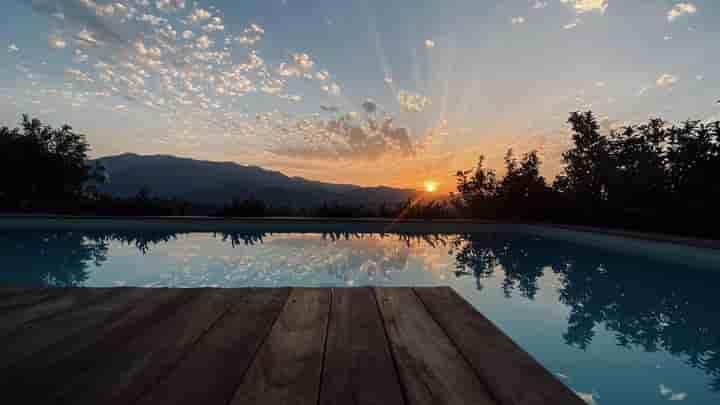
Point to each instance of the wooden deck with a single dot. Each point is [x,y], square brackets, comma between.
[261,346]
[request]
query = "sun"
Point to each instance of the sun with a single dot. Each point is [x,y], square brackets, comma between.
[431,186]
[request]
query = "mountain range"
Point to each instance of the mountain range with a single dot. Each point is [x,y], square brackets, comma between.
[217,183]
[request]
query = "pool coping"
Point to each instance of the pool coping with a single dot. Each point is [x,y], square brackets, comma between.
[372,224]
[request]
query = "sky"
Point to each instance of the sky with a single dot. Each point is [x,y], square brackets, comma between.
[391,92]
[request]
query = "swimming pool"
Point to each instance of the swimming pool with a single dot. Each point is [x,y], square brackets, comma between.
[618,320]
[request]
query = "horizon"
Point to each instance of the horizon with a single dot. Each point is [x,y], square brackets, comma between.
[260,84]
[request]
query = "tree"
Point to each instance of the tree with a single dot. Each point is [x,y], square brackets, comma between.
[585,175]
[478,190]
[41,163]
[522,191]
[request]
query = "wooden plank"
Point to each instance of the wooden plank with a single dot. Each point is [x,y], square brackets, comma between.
[512,375]
[55,366]
[27,296]
[358,365]
[36,336]
[211,371]
[46,308]
[287,368]
[430,367]
[127,373]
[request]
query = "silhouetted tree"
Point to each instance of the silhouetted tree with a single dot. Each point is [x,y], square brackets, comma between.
[585,177]
[41,163]
[478,191]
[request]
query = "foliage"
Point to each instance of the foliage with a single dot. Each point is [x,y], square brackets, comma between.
[39,162]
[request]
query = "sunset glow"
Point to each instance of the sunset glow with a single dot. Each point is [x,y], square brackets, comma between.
[431,186]
[369,93]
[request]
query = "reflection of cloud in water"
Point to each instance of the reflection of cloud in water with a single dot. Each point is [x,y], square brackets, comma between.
[674,313]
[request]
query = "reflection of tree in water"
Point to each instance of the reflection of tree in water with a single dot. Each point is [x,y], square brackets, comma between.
[520,256]
[58,259]
[143,241]
[242,238]
[645,303]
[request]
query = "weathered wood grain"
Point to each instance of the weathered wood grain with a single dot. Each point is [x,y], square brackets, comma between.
[261,346]
[132,369]
[36,336]
[50,369]
[512,375]
[288,366]
[22,297]
[56,304]
[358,353]
[431,368]
[211,371]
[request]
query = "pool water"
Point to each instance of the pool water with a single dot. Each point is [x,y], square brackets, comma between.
[617,327]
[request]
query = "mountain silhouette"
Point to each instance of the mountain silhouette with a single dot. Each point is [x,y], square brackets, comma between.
[217,183]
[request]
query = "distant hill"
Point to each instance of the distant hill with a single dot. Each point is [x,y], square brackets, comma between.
[216,183]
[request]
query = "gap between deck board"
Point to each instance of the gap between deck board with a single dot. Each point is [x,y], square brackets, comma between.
[314,346]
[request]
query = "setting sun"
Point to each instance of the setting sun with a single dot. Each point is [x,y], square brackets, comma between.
[431,186]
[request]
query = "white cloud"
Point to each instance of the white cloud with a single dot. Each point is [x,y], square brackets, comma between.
[589,398]
[517,20]
[13,48]
[203,42]
[56,42]
[666,80]
[572,25]
[678,396]
[681,9]
[670,394]
[333,89]
[199,14]
[152,19]
[86,39]
[586,6]
[412,102]
[429,44]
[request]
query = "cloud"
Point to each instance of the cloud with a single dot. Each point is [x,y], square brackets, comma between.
[343,139]
[412,102]
[86,39]
[105,21]
[429,44]
[586,6]
[681,9]
[670,394]
[199,15]
[666,80]
[332,89]
[56,42]
[589,398]
[517,20]
[573,24]
[13,48]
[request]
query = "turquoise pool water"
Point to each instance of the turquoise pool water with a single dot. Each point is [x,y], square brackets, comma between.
[619,326]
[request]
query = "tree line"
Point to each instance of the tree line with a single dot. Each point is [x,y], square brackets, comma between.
[653,176]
